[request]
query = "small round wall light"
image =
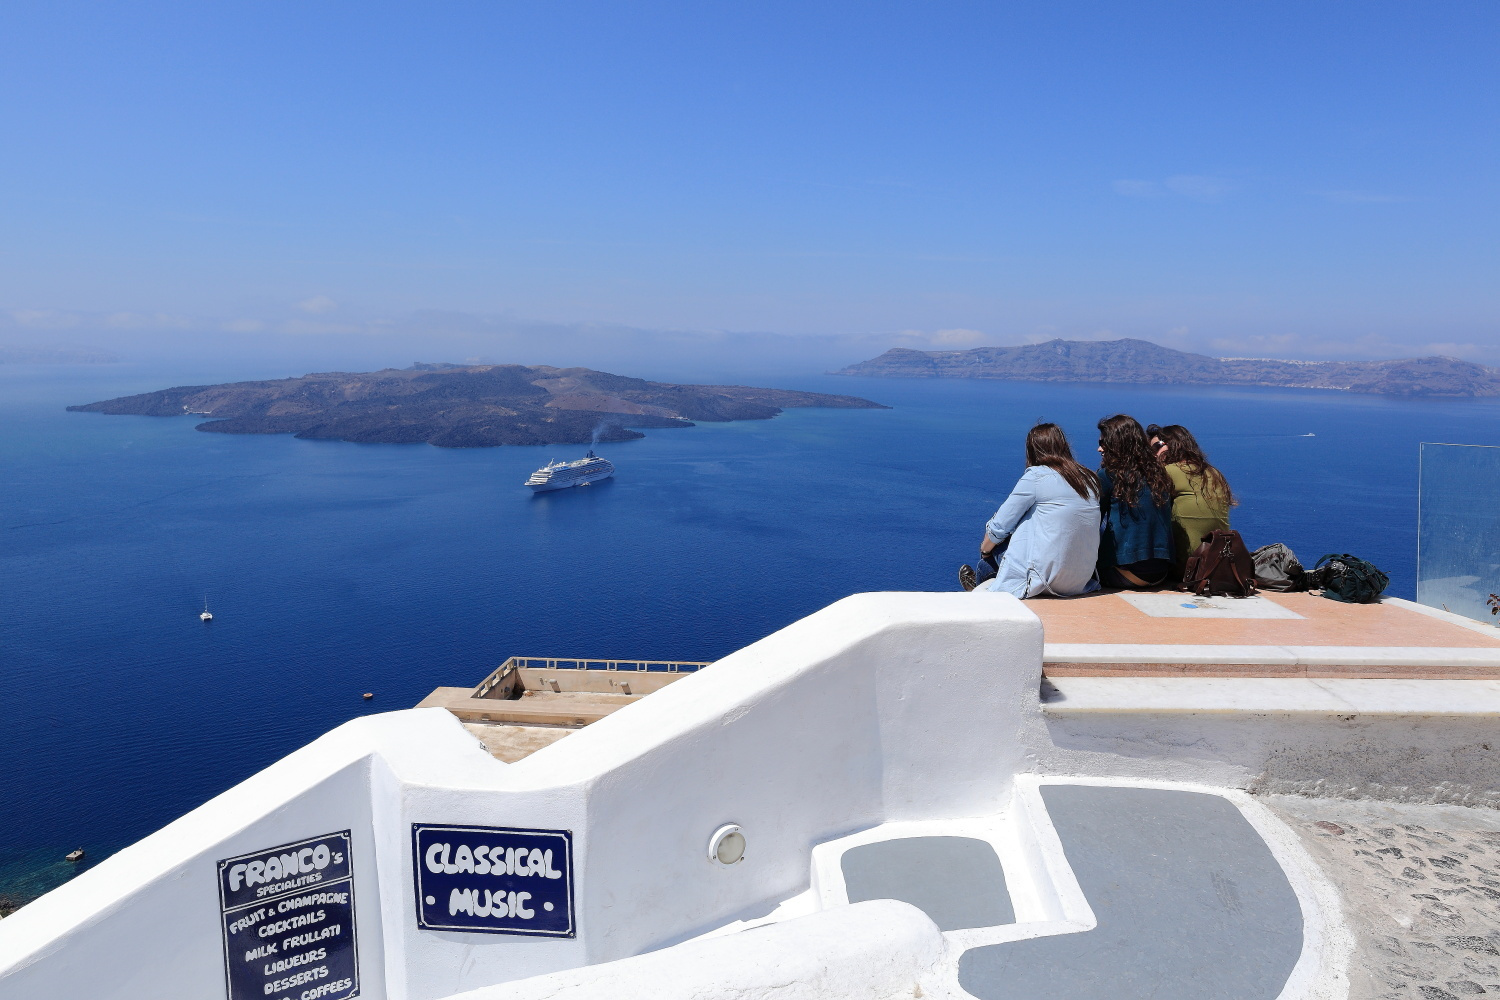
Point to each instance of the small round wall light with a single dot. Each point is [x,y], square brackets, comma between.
[727,845]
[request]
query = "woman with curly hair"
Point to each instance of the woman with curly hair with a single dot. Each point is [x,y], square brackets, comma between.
[1201,496]
[1135,501]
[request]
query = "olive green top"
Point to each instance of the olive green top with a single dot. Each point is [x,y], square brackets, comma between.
[1193,515]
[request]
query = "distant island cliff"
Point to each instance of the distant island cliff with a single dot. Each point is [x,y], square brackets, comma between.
[1142,362]
[465,406]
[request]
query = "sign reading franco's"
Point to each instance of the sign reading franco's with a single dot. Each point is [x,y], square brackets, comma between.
[493,880]
[289,921]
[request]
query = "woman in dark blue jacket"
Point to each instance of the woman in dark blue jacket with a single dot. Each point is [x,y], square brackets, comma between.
[1135,501]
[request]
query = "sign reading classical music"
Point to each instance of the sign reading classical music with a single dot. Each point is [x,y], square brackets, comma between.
[289,921]
[493,880]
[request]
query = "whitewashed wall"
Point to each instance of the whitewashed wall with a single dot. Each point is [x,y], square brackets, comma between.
[877,950]
[883,706]
[145,923]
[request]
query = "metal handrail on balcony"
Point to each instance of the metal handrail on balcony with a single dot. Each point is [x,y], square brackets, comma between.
[553,663]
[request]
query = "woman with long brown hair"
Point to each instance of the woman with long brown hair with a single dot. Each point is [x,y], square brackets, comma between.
[1135,497]
[1201,496]
[1045,538]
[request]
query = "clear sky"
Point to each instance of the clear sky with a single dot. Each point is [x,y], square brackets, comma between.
[809,180]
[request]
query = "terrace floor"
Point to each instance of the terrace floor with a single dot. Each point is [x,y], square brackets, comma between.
[1169,633]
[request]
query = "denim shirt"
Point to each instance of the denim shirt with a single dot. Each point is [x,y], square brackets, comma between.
[1053,536]
[1133,533]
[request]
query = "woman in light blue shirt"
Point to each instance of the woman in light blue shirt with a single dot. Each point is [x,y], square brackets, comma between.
[1045,538]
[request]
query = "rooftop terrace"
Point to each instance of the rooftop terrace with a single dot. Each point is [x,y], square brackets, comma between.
[1169,633]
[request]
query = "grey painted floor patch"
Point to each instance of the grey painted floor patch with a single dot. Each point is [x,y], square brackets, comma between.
[957,881]
[1191,906]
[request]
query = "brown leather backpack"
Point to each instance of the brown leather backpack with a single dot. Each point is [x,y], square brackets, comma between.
[1221,565]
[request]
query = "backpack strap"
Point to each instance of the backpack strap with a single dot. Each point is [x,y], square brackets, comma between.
[1246,589]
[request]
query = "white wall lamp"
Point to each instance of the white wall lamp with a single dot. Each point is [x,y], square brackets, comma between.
[727,846]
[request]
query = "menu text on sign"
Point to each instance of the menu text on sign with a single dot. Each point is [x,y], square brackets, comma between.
[288,917]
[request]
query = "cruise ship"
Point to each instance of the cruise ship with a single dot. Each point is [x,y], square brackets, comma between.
[560,475]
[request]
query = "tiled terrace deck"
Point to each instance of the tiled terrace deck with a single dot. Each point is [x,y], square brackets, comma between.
[1274,635]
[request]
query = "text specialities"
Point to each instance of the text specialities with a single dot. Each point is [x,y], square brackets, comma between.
[288,915]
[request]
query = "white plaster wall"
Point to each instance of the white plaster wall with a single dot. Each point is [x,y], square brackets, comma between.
[883,706]
[145,923]
[880,706]
[877,950]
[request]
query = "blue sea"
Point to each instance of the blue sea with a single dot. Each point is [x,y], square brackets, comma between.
[333,569]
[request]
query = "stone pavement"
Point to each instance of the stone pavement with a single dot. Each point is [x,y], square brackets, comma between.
[1421,891]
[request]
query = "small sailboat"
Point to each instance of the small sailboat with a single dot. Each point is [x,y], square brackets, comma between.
[207,615]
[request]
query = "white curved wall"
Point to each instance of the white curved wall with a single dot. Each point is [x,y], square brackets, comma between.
[876,950]
[883,706]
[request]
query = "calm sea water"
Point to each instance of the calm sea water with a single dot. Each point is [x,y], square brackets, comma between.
[333,569]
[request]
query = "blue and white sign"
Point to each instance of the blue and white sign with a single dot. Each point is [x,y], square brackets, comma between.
[494,880]
[288,916]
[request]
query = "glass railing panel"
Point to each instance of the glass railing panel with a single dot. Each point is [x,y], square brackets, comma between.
[1458,529]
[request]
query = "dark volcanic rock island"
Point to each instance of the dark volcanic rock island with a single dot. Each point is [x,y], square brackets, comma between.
[464,406]
[1143,362]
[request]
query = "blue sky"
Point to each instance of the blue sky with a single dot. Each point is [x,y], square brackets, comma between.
[808,181]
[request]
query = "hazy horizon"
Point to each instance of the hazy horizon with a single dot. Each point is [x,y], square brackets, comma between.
[783,188]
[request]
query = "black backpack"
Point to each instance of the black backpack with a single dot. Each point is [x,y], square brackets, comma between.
[1277,568]
[1348,579]
[1220,565]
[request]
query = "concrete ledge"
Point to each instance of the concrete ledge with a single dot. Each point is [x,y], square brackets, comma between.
[1259,695]
[1491,629]
[1377,662]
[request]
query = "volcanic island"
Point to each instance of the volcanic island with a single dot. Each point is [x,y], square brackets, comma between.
[465,406]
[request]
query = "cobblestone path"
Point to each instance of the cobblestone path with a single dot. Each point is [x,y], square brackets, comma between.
[1421,891]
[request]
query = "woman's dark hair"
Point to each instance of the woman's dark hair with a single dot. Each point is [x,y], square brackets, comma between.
[1130,463]
[1183,450]
[1046,444]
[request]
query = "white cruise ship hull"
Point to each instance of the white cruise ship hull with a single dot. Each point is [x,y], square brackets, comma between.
[584,480]
[561,475]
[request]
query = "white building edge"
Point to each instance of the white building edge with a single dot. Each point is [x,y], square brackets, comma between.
[904,724]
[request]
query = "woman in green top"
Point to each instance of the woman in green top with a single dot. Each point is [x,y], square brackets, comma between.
[1201,496]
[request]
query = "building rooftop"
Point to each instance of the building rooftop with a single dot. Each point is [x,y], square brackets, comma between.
[529,702]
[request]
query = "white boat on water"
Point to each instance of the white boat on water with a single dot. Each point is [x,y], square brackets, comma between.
[207,615]
[560,475]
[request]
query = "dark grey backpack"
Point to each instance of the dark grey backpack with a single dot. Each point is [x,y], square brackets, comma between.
[1349,579]
[1277,568]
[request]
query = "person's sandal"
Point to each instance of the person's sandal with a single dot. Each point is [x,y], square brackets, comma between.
[966,577]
